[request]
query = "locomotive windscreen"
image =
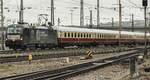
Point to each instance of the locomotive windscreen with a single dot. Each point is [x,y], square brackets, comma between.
[14,30]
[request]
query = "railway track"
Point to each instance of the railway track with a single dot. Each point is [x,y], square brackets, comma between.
[65,72]
[42,50]
[8,59]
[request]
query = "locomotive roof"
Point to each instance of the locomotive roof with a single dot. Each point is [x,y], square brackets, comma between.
[19,25]
[75,29]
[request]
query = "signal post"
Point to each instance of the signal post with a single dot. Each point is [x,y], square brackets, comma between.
[145,18]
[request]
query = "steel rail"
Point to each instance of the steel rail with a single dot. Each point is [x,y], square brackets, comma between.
[9,59]
[65,72]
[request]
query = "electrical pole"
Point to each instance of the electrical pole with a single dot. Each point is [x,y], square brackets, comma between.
[52,12]
[71,17]
[149,22]
[21,12]
[91,19]
[98,16]
[81,14]
[145,36]
[58,21]
[119,28]
[2,25]
[132,23]
[112,22]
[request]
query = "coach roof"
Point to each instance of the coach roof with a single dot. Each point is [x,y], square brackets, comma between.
[75,29]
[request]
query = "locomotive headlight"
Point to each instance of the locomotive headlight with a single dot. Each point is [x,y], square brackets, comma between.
[20,38]
[6,39]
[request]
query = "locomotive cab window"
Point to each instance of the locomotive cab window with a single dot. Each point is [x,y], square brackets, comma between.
[14,30]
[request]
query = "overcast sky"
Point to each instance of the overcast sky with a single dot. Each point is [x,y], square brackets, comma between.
[62,10]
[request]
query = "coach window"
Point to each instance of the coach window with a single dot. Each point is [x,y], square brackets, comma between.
[87,35]
[65,35]
[75,34]
[78,35]
[81,35]
[68,34]
[90,35]
[100,35]
[72,35]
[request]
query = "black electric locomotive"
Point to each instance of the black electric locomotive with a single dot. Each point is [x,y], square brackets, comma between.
[23,36]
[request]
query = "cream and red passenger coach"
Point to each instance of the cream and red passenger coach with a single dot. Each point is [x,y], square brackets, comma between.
[97,36]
